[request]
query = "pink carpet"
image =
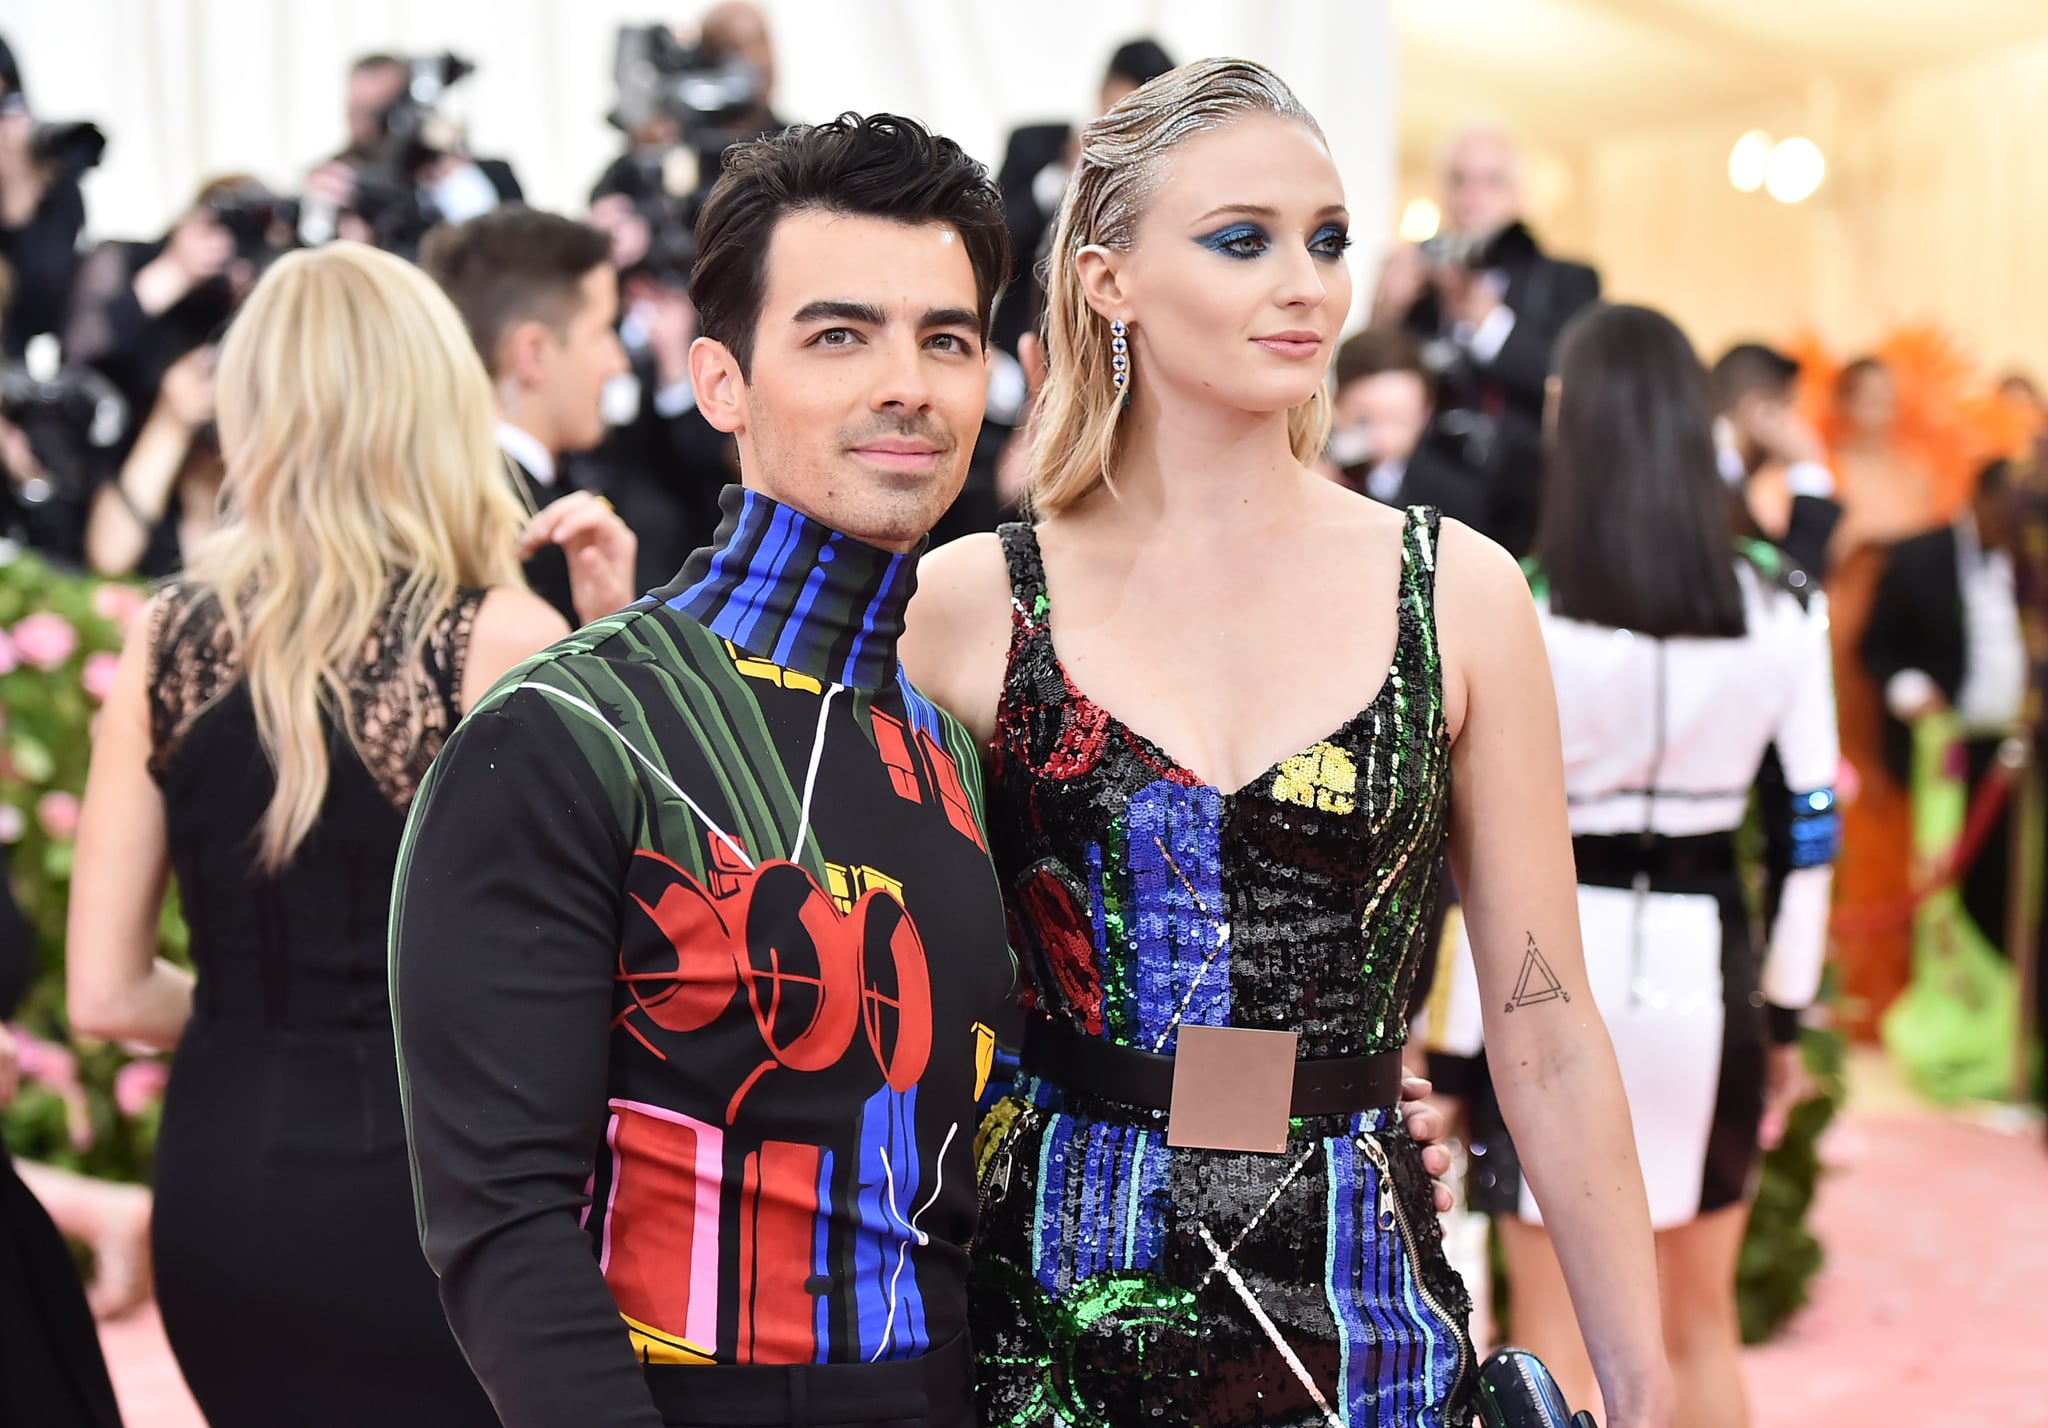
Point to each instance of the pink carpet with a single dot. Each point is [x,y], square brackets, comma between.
[1933,1310]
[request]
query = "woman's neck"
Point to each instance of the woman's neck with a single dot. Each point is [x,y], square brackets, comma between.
[1200,470]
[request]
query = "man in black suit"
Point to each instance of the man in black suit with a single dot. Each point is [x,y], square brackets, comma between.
[1772,459]
[540,298]
[42,212]
[1488,305]
[1944,634]
[447,187]
[1380,444]
[1036,162]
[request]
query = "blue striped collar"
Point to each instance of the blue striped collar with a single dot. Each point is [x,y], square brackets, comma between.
[786,588]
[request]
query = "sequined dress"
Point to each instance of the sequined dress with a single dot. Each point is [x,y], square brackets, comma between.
[1120,1281]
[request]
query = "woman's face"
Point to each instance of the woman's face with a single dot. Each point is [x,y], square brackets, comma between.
[1235,284]
[1871,404]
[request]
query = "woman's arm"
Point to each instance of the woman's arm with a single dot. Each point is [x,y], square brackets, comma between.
[1553,1065]
[119,989]
[956,637]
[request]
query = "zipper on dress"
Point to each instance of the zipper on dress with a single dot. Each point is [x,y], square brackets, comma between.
[1393,1216]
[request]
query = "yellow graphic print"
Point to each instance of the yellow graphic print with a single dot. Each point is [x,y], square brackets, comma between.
[1323,778]
[771,672]
[984,1057]
[653,1346]
[848,885]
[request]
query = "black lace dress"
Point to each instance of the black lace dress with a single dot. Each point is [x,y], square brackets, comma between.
[287,1256]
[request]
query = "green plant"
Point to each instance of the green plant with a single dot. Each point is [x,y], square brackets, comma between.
[60,637]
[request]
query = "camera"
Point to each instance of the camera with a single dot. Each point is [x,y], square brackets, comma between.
[1471,251]
[72,420]
[69,148]
[263,224]
[708,95]
[412,135]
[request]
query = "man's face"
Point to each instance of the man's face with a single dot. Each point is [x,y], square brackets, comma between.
[1756,414]
[1393,407]
[574,363]
[370,92]
[741,31]
[1482,184]
[865,392]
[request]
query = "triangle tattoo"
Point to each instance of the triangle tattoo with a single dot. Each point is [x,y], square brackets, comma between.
[1537,982]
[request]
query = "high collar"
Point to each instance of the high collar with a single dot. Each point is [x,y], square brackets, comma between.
[786,588]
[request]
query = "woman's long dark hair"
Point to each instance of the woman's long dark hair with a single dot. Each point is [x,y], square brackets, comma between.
[1635,530]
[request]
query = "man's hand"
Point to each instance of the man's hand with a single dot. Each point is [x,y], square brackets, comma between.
[671,328]
[10,1066]
[599,546]
[186,396]
[198,248]
[1466,296]
[1786,1084]
[1402,279]
[1427,1124]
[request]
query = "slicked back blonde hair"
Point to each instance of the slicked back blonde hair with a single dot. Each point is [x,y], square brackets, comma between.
[1078,435]
[359,434]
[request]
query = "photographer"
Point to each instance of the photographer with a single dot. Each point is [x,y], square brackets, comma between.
[404,169]
[1488,304]
[140,307]
[42,210]
[166,497]
[1379,443]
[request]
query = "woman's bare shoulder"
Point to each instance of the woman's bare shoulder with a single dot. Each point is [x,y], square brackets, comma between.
[956,633]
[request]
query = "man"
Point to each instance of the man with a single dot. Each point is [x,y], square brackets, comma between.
[1489,305]
[387,189]
[698,946]
[1385,398]
[42,212]
[540,298]
[1945,635]
[1770,456]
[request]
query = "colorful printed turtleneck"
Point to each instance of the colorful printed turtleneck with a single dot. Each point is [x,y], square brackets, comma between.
[696,949]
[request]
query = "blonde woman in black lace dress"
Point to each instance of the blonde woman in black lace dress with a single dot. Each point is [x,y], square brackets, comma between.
[271,719]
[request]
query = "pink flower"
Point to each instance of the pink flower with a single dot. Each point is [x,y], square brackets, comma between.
[10,658]
[58,813]
[55,1067]
[140,1085]
[98,677]
[12,824]
[45,639]
[117,603]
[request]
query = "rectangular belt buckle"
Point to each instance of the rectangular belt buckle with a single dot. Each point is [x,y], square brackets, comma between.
[1233,1089]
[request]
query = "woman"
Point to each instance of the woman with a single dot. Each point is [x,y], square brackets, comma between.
[1687,672]
[1343,700]
[262,742]
[166,496]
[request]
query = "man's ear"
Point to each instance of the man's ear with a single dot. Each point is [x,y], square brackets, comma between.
[720,387]
[522,353]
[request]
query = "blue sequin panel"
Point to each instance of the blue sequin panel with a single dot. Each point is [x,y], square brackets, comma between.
[1101,1198]
[1816,829]
[1176,917]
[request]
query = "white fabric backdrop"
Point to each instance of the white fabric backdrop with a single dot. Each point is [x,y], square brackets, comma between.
[191,88]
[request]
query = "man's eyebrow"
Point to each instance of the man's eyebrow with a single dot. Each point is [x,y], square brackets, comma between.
[952,317]
[841,310]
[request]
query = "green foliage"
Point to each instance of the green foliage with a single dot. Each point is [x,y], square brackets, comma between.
[1780,1255]
[59,637]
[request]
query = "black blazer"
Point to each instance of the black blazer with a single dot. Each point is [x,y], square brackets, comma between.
[1916,622]
[1030,149]
[1435,477]
[1544,293]
[547,569]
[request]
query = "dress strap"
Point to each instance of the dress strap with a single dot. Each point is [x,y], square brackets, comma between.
[1028,598]
[1418,642]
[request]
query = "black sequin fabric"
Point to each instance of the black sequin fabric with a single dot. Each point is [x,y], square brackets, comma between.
[1121,1281]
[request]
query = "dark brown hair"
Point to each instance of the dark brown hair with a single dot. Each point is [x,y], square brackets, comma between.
[1635,532]
[1381,349]
[877,166]
[513,265]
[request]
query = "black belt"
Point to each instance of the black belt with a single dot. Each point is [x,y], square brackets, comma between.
[1692,864]
[1075,1061]
[935,1390]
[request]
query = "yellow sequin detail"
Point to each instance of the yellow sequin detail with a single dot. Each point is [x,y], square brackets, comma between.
[1323,778]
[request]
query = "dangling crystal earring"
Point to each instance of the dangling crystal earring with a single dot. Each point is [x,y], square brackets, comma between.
[1120,359]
